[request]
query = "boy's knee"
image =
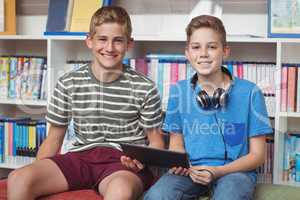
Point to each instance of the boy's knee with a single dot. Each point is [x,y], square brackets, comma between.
[19,177]
[122,189]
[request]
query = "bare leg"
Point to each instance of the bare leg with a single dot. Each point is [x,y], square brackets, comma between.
[40,178]
[121,185]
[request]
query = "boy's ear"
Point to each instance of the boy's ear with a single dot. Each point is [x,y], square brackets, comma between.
[130,43]
[226,52]
[88,41]
[186,52]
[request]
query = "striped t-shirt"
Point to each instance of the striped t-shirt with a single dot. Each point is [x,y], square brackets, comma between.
[105,114]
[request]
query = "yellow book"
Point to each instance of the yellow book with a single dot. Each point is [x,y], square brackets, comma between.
[9,17]
[82,14]
[32,136]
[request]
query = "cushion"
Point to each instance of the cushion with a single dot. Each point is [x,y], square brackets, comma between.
[276,192]
[72,195]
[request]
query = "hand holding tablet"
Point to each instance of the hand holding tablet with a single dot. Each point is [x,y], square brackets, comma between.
[156,157]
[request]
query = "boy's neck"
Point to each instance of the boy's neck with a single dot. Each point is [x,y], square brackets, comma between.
[214,81]
[106,75]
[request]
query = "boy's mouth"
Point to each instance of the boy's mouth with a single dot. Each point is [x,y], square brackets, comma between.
[204,62]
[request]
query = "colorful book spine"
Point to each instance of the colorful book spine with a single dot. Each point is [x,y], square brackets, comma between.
[82,14]
[4,76]
[283,88]
[1,141]
[57,15]
[291,90]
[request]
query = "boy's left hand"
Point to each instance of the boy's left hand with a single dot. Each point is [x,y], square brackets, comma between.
[132,164]
[203,174]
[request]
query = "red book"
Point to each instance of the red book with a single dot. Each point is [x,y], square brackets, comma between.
[174,73]
[292,88]
[141,66]
[283,88]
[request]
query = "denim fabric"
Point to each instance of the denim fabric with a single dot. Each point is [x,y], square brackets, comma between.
[234,186]
[175,187]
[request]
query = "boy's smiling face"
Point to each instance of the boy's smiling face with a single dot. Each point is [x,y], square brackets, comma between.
[109,45]
[205,51]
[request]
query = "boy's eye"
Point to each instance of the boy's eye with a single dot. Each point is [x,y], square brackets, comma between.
[212,47]
[120,41]
[195,47]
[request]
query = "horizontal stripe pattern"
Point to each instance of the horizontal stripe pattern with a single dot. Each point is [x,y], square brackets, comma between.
[105,114]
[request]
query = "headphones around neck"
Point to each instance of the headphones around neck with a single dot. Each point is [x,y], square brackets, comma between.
[218,99]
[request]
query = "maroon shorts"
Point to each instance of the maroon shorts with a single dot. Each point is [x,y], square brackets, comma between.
[86,169]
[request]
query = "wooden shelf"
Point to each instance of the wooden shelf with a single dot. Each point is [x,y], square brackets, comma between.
[14,162]
[24,102]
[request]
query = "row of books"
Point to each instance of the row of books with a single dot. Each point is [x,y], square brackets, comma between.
[71,17]
[290,88]
[21,137]
[260,73]
[23,77]
[291,158]
[265,171]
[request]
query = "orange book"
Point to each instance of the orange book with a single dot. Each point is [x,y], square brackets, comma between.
[9,17]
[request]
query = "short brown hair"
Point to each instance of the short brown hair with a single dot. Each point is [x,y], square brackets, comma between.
[206,21]
[111,14]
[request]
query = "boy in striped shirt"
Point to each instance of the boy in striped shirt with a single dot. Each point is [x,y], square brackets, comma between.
[109,103]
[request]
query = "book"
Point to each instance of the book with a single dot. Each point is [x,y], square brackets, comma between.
[9,18]
[82,14]
[283,88]
[292,88]
[57,15]
[2,16]
[298,90]
[107,2]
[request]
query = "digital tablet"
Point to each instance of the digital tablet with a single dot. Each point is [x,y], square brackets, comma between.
[156,157]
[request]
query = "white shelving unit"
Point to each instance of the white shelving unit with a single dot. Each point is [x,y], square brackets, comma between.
[158,27]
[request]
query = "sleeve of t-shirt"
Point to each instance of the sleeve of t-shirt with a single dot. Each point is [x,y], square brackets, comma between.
[173,122]
[151,112]
[59,107]
[259,120]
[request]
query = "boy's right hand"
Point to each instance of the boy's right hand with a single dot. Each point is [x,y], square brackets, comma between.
[179,171]
[132,164]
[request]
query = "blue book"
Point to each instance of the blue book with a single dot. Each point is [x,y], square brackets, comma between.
[2,141]
[107,2]
[57,15]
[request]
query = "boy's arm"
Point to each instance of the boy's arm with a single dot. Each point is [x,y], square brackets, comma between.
[176,142]
[52,143]
[252,160]
[156,138]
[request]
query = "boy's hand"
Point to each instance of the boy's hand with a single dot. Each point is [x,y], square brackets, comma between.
[202,174]
[179,171]
[132,164]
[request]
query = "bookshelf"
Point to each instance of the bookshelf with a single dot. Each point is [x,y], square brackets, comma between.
[163,32]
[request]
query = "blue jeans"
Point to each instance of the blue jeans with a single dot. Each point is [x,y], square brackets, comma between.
[234,186]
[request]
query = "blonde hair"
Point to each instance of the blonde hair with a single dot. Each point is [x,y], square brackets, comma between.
[111,14]
[206,21]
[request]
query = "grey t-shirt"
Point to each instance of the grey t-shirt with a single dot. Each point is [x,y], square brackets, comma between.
[105,114]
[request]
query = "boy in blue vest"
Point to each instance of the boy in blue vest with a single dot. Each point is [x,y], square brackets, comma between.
[219,120]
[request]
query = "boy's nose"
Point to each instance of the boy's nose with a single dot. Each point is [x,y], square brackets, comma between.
[109,46]
[203,53]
